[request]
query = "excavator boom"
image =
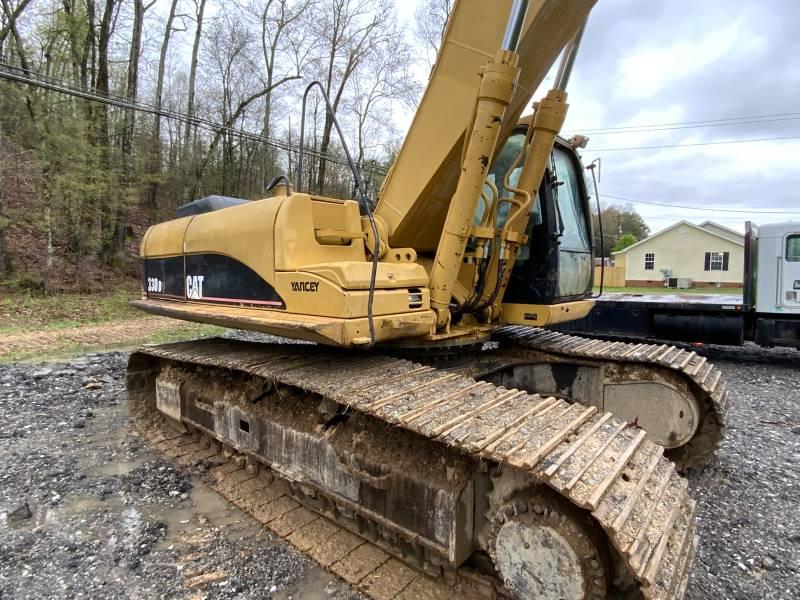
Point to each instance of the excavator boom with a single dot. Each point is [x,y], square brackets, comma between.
[416,194]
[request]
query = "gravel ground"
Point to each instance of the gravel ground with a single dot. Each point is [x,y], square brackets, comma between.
[88,512]
[748,495]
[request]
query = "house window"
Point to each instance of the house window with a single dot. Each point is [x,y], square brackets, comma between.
[649,261]
[716,261]
[793,248]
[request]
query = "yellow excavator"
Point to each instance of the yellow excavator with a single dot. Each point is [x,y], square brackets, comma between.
[433,423]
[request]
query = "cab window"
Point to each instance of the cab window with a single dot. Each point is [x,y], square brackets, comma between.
[793,248]
[497,173]
[569,204]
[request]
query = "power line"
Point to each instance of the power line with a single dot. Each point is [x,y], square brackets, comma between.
[771,139]
[748,117]
[725,210]
[31,78]
[659,128]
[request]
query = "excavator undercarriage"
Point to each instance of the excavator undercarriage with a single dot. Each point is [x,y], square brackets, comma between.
[491,490]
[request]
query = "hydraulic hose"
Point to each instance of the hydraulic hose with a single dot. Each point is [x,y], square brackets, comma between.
[363,201]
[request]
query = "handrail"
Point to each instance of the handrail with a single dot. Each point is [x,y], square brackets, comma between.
[591,167]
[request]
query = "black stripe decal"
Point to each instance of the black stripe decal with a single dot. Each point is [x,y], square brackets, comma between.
[208,277]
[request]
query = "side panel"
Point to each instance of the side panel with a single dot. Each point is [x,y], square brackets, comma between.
[777,279]
[207,277]
[770,332]
[244,232]
[296,245]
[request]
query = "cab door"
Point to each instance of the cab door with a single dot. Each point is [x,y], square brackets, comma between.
[557,265]
[789,278]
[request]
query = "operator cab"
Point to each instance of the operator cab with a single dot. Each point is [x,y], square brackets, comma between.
[557,264]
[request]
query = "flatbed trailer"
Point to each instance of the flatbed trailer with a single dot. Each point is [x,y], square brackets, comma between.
[767,312]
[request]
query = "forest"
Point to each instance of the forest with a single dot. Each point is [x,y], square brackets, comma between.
[114,112]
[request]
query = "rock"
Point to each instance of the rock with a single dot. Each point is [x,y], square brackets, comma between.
[21,513]
[767,563]
[40,373]
[91,383]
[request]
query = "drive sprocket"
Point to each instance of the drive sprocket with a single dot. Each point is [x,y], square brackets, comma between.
[539,544]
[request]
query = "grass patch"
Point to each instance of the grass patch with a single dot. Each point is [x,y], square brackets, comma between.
[20,312]
[663,290]
[68,350]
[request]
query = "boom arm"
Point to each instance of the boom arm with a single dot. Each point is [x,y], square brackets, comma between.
[417,192]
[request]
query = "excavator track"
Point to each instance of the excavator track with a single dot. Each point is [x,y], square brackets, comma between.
[586,460]
[698,380]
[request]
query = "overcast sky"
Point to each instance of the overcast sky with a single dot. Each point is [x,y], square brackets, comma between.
[654,62]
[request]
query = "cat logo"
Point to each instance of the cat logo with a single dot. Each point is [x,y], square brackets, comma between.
[194,286]
[305,286]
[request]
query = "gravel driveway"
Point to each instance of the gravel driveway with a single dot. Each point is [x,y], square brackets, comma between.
[88,512]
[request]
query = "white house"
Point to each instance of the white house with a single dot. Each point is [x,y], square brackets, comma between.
[709,254]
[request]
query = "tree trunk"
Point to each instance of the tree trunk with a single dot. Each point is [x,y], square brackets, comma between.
[90,45]
[155,158]
[129,125]
[187,147]
[48,223]
[5,259]
[101,127]
[268,50]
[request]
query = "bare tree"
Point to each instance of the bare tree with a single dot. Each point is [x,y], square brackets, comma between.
[349,31]
[10,15]
[101,120]
[230,63]
[117,244]
[383,81]
[431,19]
[280,38]
[190,107]
[155,158]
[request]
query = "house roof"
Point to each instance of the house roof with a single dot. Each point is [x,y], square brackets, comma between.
[705,224]
[679,223]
